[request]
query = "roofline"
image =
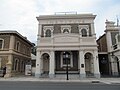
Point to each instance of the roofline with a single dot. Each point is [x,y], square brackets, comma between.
[16,33]
[66,16]
[101,37]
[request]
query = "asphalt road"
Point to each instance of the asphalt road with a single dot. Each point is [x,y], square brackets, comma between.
[8,85]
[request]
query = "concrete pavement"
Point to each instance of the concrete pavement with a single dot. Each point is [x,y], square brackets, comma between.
[90,80]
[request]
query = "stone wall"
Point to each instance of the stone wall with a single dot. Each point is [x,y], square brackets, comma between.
[6,39]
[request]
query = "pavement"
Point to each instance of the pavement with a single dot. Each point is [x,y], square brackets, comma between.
[86,80]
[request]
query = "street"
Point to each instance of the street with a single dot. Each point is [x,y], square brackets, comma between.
[14,85]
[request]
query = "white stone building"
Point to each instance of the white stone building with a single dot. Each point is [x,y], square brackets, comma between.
[113,46]
[73,33]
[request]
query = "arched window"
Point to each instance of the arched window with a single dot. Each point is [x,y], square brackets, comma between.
[1,43]
[17,46]
[16,64]
[65,31]
[118,38]
[48,33]
[84,32]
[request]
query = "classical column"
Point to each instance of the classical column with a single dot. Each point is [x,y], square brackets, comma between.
[12,42]
[82,65]
[52,65]
[96,65]
[38,65]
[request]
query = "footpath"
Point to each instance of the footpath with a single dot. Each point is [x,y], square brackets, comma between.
[86,80]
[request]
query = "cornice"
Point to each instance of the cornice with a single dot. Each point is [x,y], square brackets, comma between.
[70,16]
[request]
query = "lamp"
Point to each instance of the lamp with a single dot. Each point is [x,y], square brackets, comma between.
[66,56]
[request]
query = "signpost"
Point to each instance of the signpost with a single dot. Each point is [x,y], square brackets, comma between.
[28,70]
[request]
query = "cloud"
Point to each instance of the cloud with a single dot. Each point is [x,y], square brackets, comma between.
[21,15]
[51,6]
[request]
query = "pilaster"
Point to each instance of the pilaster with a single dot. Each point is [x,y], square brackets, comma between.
[52,65]
[93,30]
[12,42]
[96,65]
[38,65]
[109,41]
[39,30]
[114,68]
[82,65]
[9,67]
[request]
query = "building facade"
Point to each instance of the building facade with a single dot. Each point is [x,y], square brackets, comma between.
[103,55]
[109,45]
[15,49]
[74,34]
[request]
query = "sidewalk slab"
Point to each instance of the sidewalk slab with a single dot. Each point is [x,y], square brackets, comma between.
[86,80]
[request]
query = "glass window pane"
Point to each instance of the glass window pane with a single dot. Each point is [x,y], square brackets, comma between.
[1,42]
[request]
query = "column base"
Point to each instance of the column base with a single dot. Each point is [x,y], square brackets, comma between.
[97,75]
[7,75]
[51,75]
[37,75]
[115,73]
[82,75]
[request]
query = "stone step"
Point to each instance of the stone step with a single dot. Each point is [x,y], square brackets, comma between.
[64,76]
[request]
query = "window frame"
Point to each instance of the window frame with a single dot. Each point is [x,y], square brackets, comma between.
[84,32]
[17,46]
[63,27]
[71,60]
[45,28]
[2,45]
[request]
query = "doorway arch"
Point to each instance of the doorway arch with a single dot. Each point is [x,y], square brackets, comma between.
[89,64]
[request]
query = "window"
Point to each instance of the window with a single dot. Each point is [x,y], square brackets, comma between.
[65,31]
[117,38]
[84,32]
[17,46]
[48,33]
[65,28]
[16,64]
[64,61]
[1,44]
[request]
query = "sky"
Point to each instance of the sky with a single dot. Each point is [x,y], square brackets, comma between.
[20,15]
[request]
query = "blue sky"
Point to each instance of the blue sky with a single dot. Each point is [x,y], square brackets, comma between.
[21,15]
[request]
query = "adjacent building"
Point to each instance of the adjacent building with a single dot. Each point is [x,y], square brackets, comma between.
[72,33]
[15,50]
[109,50]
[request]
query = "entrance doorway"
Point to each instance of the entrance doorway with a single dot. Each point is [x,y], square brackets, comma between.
[45,59]
[89,64]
